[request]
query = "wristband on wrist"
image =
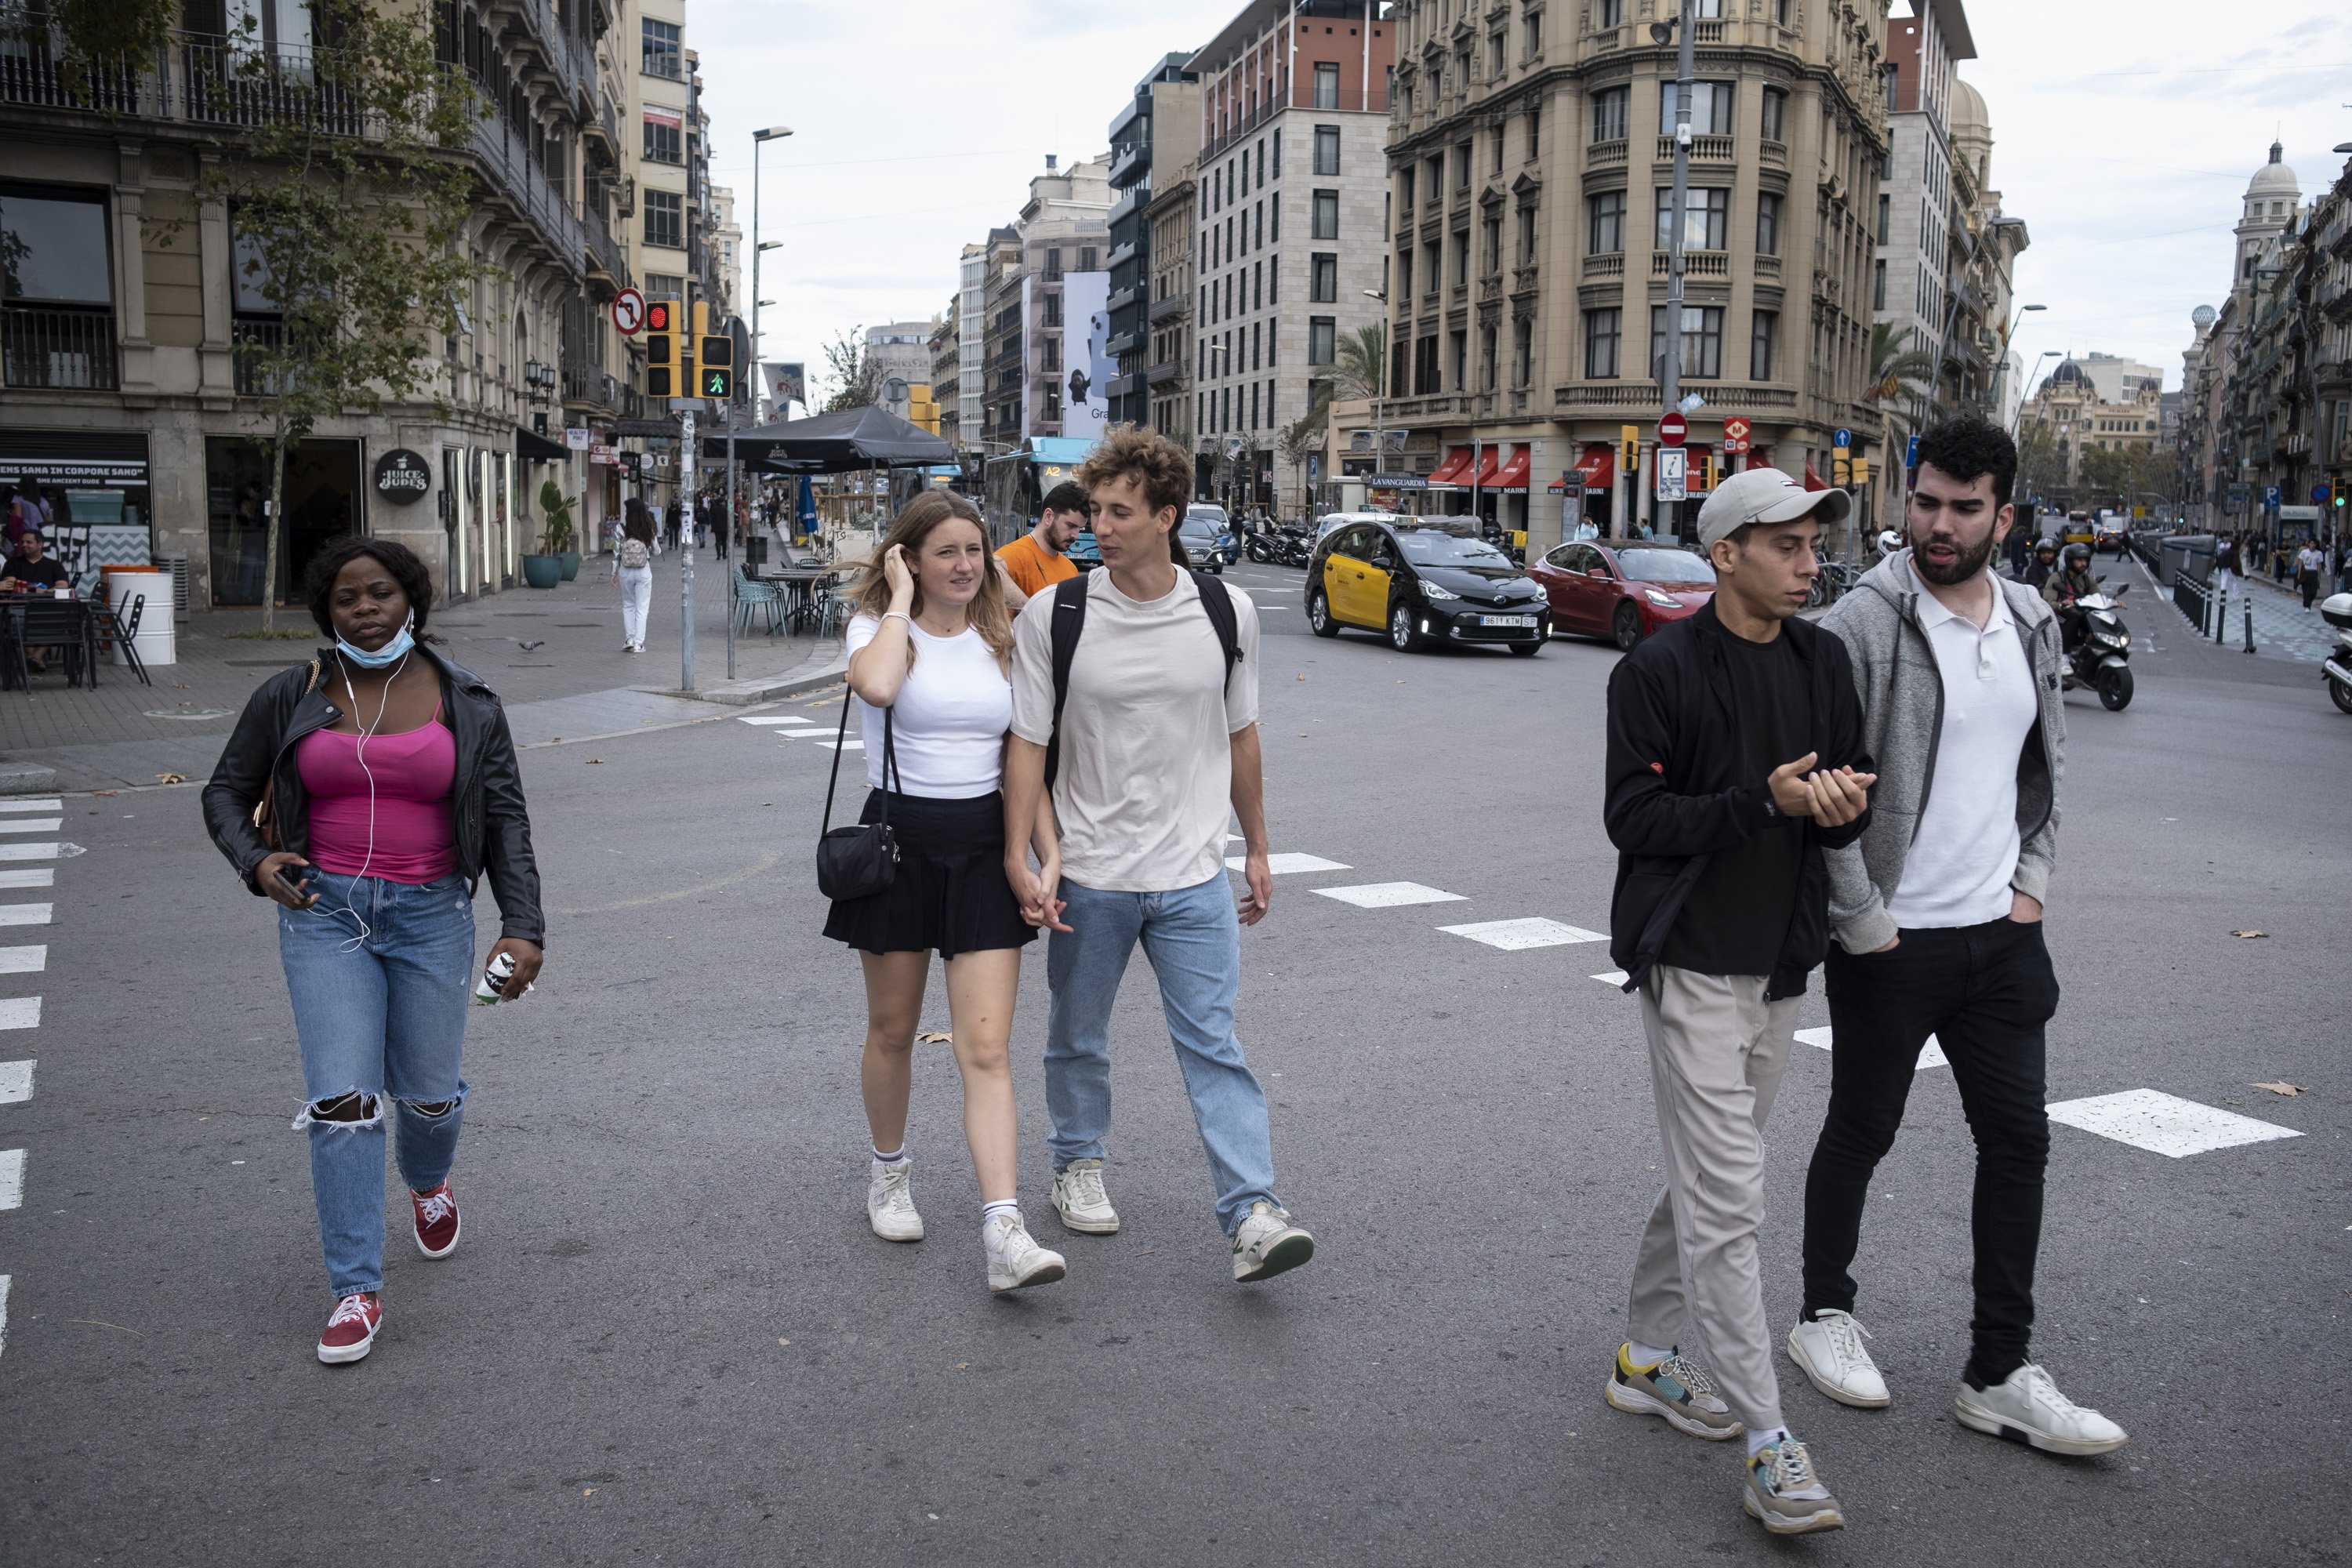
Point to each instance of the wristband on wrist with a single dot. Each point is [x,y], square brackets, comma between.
[900,614]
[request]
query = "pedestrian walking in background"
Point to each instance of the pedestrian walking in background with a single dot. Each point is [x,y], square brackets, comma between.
[1734,761]
[2309,563]
[930,654]
[1135,700]
[675,522]
[368,793]
[633,573]
[1038,559]
[1938,913]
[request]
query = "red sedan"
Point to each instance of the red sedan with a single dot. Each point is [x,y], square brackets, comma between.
[1624,591]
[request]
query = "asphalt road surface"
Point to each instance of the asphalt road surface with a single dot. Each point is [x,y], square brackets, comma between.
[668,1336]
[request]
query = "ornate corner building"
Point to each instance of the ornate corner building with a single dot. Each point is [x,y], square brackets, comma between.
[1530,151]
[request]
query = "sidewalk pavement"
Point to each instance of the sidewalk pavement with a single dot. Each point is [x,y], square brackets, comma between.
[2283,630]
[555,657]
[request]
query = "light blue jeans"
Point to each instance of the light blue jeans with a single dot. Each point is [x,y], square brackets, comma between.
[1192,941]
[384,1017]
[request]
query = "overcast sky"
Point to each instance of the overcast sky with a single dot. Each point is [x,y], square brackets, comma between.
[918,125]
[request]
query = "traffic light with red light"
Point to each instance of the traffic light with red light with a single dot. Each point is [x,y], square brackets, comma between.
[661,348]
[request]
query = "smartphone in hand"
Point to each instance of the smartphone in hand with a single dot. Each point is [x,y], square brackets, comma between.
[296,885]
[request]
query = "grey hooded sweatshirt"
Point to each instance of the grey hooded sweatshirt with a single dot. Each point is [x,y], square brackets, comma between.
[1902,717]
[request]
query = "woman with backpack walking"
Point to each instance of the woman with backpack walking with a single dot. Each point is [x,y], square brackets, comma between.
[368,793]
[930,655]
[633,571]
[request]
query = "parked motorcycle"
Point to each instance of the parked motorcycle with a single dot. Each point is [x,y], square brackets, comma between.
[1294,546]
[2337,668]
[2101,658]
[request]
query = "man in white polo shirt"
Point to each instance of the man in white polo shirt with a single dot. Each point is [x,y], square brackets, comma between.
[1937,916]
[1148,716]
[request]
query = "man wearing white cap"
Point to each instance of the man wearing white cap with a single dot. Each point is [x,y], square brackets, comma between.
[1735,759]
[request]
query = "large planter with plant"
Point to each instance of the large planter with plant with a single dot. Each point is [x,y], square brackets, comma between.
[543,571]
[556,539]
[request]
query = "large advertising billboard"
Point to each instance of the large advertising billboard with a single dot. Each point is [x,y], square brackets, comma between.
[1087,366]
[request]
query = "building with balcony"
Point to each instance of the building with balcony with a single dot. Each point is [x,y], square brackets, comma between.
[1290,210]
[947,368]
[1156,133]
[1048,366]
[2099,402]
[971,350]
[122,392]
[1529,245]
[1167,371]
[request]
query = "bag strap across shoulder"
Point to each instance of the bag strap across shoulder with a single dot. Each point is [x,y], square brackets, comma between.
[1070,622]
[890,779]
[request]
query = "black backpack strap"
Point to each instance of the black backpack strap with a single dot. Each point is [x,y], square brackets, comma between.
[1069,621]
[1218,602]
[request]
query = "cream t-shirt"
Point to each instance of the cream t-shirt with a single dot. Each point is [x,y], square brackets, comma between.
[1146,780]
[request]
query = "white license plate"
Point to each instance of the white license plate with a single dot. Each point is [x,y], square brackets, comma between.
[1507,620]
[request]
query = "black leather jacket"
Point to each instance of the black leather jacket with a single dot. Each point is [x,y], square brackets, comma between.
[491,822]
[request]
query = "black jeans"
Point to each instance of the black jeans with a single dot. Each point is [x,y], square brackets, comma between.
[1985,992]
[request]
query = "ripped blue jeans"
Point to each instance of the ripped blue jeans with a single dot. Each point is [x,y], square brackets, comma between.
[381,974]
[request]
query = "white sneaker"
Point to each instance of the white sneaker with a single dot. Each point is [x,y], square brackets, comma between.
[1014,1260]
[1830,1350]
[1079,1199]
[2028,1408]
[890,1200]
[1267,1243]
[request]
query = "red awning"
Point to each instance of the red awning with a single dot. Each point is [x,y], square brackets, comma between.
[1599,466]
[1513,475]
[1449,470]
[1490,463]
[1812,480]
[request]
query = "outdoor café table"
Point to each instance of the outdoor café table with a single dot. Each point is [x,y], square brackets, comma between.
[41,621]
[800,585]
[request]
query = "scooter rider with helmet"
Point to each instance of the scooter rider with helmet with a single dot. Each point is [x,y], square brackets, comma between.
[2044,564]
[2064,587]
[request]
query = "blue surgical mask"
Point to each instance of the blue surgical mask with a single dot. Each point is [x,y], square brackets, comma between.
[391,652]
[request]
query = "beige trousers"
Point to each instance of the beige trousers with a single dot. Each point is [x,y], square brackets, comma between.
[1716,1053]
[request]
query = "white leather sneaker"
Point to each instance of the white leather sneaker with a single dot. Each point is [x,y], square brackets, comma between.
[2028,1408]
[1079,1199]
[1014,1260]
[1830,1350]
[1266,1243]
[890,1200]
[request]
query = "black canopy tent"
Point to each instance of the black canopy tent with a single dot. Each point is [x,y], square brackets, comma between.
[868,438]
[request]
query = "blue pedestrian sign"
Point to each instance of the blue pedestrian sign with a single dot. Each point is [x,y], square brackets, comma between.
[1842,439]
[1911,453]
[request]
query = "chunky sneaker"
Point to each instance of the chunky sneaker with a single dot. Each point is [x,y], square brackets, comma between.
[890,1200]
[1014,1260]
[351,1330]
[435,1220]
[1829,1348]
[1784,1495]
[2028,1408]
[1267,1244]
[1079,1199]
[1676,1388]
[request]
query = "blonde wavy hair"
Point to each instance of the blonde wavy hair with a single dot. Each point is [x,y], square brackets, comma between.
[911,528]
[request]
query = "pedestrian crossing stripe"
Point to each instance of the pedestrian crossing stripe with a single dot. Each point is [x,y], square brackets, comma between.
[15,1082]
[44,877]
[1517,936]
[1285,863]
[1931,1055]
[25,915]
[4,1311]
[1612,977]
[20,1012]
[843,745]
[30,851]
[1389,895]
[12,1178]
[23,959]
[773,721]
[52,804]
[2164,1123]
[31,824]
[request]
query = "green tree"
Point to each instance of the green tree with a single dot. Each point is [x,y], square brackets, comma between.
[1303,437]
[348,202]
[1363,357]
[856,380]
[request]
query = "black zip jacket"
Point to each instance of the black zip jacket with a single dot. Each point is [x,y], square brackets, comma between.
[489,819]
[1673,758]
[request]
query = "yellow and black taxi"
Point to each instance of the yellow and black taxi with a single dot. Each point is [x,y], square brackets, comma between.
[1420,580]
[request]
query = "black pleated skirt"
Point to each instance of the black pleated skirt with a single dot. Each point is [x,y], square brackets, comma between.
[950,894]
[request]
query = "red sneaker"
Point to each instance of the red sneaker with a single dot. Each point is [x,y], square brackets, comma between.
[350,1331]
[436,1220]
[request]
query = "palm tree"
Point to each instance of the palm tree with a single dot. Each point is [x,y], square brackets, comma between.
[1895,370]
[1303,437]
[1363,357]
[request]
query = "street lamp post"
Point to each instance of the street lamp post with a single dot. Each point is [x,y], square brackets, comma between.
[759,139]
[1670,370]
[1380,385]
[2001,371]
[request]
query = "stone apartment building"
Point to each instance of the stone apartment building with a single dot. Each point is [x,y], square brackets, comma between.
[1047,368]
[1291,205]
[1174,275]
[971,349]
[1531,150]
[1156,133]
[2099,402]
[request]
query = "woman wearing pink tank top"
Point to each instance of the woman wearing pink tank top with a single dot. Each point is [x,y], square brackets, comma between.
[387,783]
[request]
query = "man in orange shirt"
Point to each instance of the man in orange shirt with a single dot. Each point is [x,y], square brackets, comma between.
[1035,560]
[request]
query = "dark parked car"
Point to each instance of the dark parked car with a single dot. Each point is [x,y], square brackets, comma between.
[1624,591]
[1423,579]
[1208,538]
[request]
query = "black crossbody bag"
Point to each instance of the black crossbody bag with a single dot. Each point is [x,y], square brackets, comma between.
[859,861]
